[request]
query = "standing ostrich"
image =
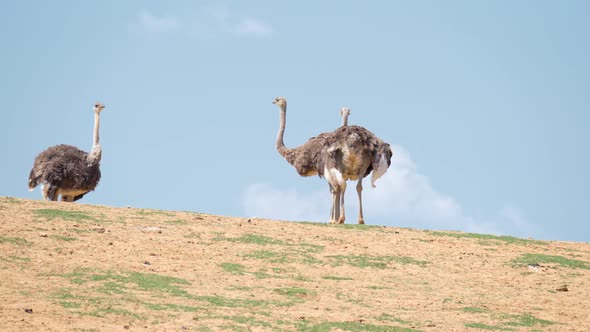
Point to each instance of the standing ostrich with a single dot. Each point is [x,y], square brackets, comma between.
[304,158]
[348,153]
[378,167]
[352,153]
[66,170]
[344,112]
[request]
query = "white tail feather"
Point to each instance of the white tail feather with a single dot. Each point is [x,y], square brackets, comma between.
[379,170]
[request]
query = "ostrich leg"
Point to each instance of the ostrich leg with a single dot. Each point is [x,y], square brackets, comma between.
[332,194]
[342,213]
[49,191]
[359,190]
[335,209]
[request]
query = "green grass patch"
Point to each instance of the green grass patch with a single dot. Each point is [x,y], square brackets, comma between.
[527,259]
[486,327]
[233,268]
[351,299]
[391,318]
[351,326]
[22,259]
[170,306]
[220,301]
[147,282]
[262,274]
[176,222]
[239,288]
[116,282]
[10,200]
[63,238]
[146,212]
[293,254]
[336,278]
[113,288]
[169,285]
[484,237]
[247,321]
[294,292]
[474,310]
[252,239]
[312,248]
[103,312]
[15,240]
[526,320]
[376,262]
[344,226]
[271,256]
[66,304]
[51,214]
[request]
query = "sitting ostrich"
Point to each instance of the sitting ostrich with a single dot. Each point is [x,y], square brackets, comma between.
[66,170]
[348,153]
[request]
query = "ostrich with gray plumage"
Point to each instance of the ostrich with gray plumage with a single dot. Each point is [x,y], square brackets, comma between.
[66,170]
[352,153]
[348,153]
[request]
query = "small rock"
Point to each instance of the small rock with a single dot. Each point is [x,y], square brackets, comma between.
[99,230]
[29,311]
[147,263]
[534,266]
[562,289]
[43,234]
[126,327]
[151,229]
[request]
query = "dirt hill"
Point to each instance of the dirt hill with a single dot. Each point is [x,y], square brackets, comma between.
[76,267]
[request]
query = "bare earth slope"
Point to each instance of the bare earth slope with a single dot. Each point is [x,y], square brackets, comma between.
[76,267]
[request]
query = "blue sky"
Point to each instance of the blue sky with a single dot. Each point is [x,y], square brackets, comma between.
[485,103]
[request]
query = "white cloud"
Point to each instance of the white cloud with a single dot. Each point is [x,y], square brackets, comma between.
[263,200]
[224,20]
[209,21]
[155,24]
[403,197]
[252,26]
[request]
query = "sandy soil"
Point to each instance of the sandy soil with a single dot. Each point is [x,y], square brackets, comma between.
[76,267]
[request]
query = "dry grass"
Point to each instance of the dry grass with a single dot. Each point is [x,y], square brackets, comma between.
[76,267]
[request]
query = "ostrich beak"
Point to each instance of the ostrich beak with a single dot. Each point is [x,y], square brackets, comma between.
[274,101]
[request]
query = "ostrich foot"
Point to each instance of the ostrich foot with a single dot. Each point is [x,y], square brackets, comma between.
[361,221]
[341,220]
[332,221]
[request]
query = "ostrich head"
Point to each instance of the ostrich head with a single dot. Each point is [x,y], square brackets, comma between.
[345,111]
[280,101]
[98,107]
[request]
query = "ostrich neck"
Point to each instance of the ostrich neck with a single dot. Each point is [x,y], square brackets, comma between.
[96,152]
[280,144]
[96,127]
[344,120]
